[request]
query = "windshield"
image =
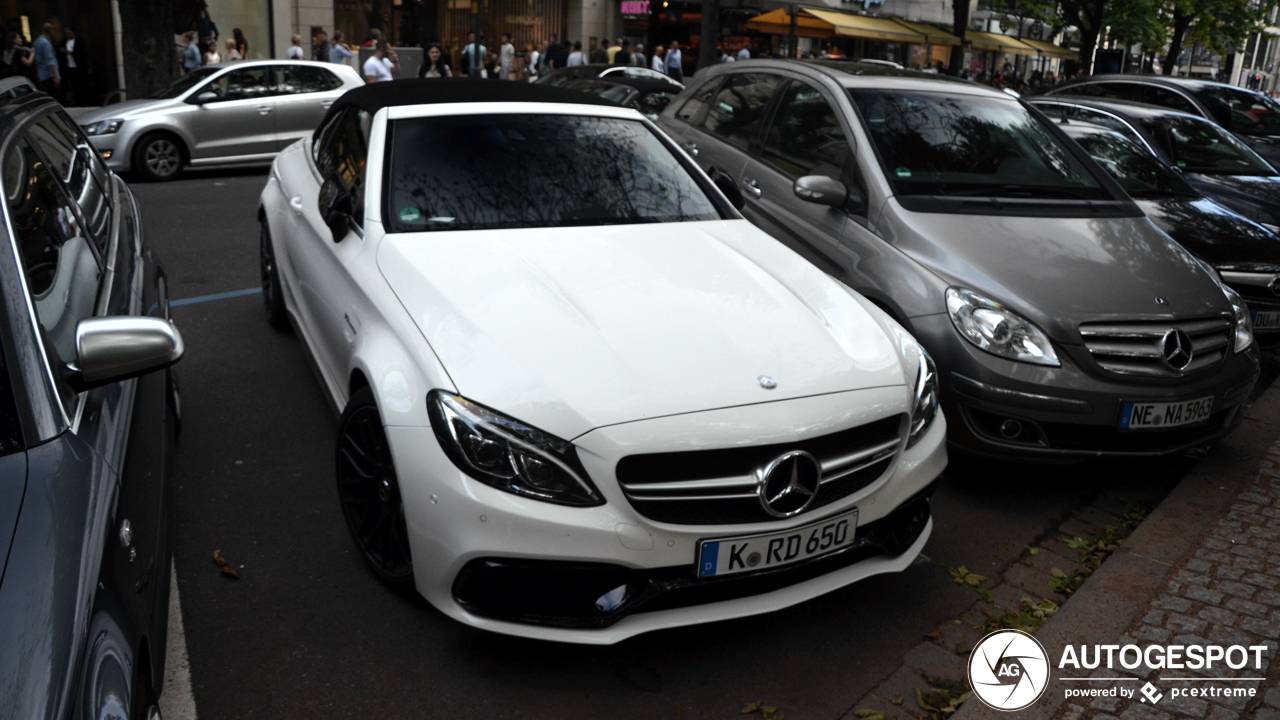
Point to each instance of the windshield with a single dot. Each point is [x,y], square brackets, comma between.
[1244,112]
[1199,146]
[939,144]
[184,83]
[1131,165]
[472,172]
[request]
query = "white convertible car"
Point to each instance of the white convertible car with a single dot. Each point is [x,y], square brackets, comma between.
[581,397]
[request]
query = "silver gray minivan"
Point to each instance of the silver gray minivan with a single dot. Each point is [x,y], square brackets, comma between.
[1064,323]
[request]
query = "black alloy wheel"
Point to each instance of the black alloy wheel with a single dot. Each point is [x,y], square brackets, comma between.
[158,158]
[370,493]
[272,296]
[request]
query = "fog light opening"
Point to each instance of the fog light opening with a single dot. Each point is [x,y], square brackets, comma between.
[1011,428]
[612,599]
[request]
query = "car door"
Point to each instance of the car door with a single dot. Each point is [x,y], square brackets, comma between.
[731,122]
[325,289]
[304,94]
[807,135]
[239,119]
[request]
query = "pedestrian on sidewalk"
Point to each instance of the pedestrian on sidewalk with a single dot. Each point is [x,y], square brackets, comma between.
[295,50]
[211,56]
[233,54]
[47,74]
[16,58]
[75,68]
[659,63]
[320,42]
[435,66]
[383,65]
[242,45]
[473,56]
[339,53]
[576,57]
[637,56]
[675,67]
[597,55]
[531,58]
[623,56]
[744,53]
[191,56]
[612,51]
[374,36]
[506,56]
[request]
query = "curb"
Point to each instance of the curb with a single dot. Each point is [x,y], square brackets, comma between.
[1105,606]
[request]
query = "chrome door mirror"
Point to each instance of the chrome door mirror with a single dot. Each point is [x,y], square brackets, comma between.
[822,190]
[206,97]
[110,349]
[336,207]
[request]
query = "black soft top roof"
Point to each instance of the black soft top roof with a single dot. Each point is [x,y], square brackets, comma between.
[436,91]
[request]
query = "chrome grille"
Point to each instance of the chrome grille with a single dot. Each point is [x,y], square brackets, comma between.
[717,487]
[1135,348]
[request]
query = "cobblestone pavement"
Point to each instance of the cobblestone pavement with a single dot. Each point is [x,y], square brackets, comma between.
[1226,592]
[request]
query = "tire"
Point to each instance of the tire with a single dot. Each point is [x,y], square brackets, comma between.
[158,157]
[369,492]
[272,293]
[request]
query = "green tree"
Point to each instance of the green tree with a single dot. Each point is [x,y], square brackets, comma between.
[1219,25]
[1138,22]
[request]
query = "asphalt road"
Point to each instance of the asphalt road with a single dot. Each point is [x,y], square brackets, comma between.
[308,632]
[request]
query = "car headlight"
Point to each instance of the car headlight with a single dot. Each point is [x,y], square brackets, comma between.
[1239,310]
[102,127]
[507,454]
[924,407]
[991,327]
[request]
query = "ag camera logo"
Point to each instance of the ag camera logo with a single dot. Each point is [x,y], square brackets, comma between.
[1008,670]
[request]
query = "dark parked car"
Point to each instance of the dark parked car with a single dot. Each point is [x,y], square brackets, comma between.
[648,96]
[1245,254]
[1252,116]
[564,76]
[87,412]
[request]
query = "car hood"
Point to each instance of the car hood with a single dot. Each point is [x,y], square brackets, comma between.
[571,329]
[1059,272]
[1257,197]
[1211,232]
[13,483]
[126,110]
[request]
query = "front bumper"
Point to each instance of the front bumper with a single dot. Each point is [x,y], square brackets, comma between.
[517,566]
[114,149]
[1072,411]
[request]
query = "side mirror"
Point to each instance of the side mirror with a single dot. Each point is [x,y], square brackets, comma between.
[206,97]
[729,188]
[822,190]
[110,349]
[335,207]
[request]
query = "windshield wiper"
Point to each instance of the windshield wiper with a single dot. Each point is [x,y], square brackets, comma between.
[1020,191]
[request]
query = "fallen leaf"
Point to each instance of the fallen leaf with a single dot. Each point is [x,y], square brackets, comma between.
[936,635]
[217,558]
[230,572]
[988,613]
[750,708]
[897,699]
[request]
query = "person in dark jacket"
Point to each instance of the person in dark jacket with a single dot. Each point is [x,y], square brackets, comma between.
[74,58]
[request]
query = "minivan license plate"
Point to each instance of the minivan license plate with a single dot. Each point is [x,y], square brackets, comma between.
[1266,320]
[1146,416]
[751,553]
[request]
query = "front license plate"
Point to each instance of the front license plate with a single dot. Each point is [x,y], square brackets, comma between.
[1266,320]
[1146,416]
[751,553]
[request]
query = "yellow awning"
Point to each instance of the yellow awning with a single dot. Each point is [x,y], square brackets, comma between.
[935,35]
[994,42]
[1048,49]
[778,22]
[869,28]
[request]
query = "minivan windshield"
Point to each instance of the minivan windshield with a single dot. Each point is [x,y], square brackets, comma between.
[1199,146]
[479,172]
[184,83]
[935,143]
[1131,165]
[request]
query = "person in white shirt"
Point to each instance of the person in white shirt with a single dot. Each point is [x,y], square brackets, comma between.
[531,56]
[659,64]
[232,53]
[576,57]
[383,65]
[506,55]
[295,50]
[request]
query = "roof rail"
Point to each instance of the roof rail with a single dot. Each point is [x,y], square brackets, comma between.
[12,87]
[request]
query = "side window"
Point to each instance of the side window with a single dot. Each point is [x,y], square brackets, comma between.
[76,164]
[805,137]
[344,151]
[1111,91]
[61,266]
[693,106]
[297,79]
[1107,121]
[1165,97]
[738,109]
[242,84]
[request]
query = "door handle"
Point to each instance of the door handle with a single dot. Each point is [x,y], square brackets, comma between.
[264,109]
[749,184]
[325,104]
[295,202]
[692,148]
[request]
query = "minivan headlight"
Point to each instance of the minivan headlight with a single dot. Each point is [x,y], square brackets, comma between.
[103,127]
[990,326]
[924,408]
[1243,323]
[507,454]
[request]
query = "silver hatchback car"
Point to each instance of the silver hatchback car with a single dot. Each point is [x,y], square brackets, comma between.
[234,113]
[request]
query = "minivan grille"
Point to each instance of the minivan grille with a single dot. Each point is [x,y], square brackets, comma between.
[1139,348]
[718,487]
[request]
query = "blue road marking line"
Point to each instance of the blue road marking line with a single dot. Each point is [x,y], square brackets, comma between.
[208,298]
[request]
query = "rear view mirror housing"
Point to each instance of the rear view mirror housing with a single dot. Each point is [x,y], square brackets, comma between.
[206,97]
[111,349]
[335,207]
[828,191]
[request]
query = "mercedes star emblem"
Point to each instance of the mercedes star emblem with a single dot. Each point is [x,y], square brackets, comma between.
[1175,348]
[766,382]
[789,484]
